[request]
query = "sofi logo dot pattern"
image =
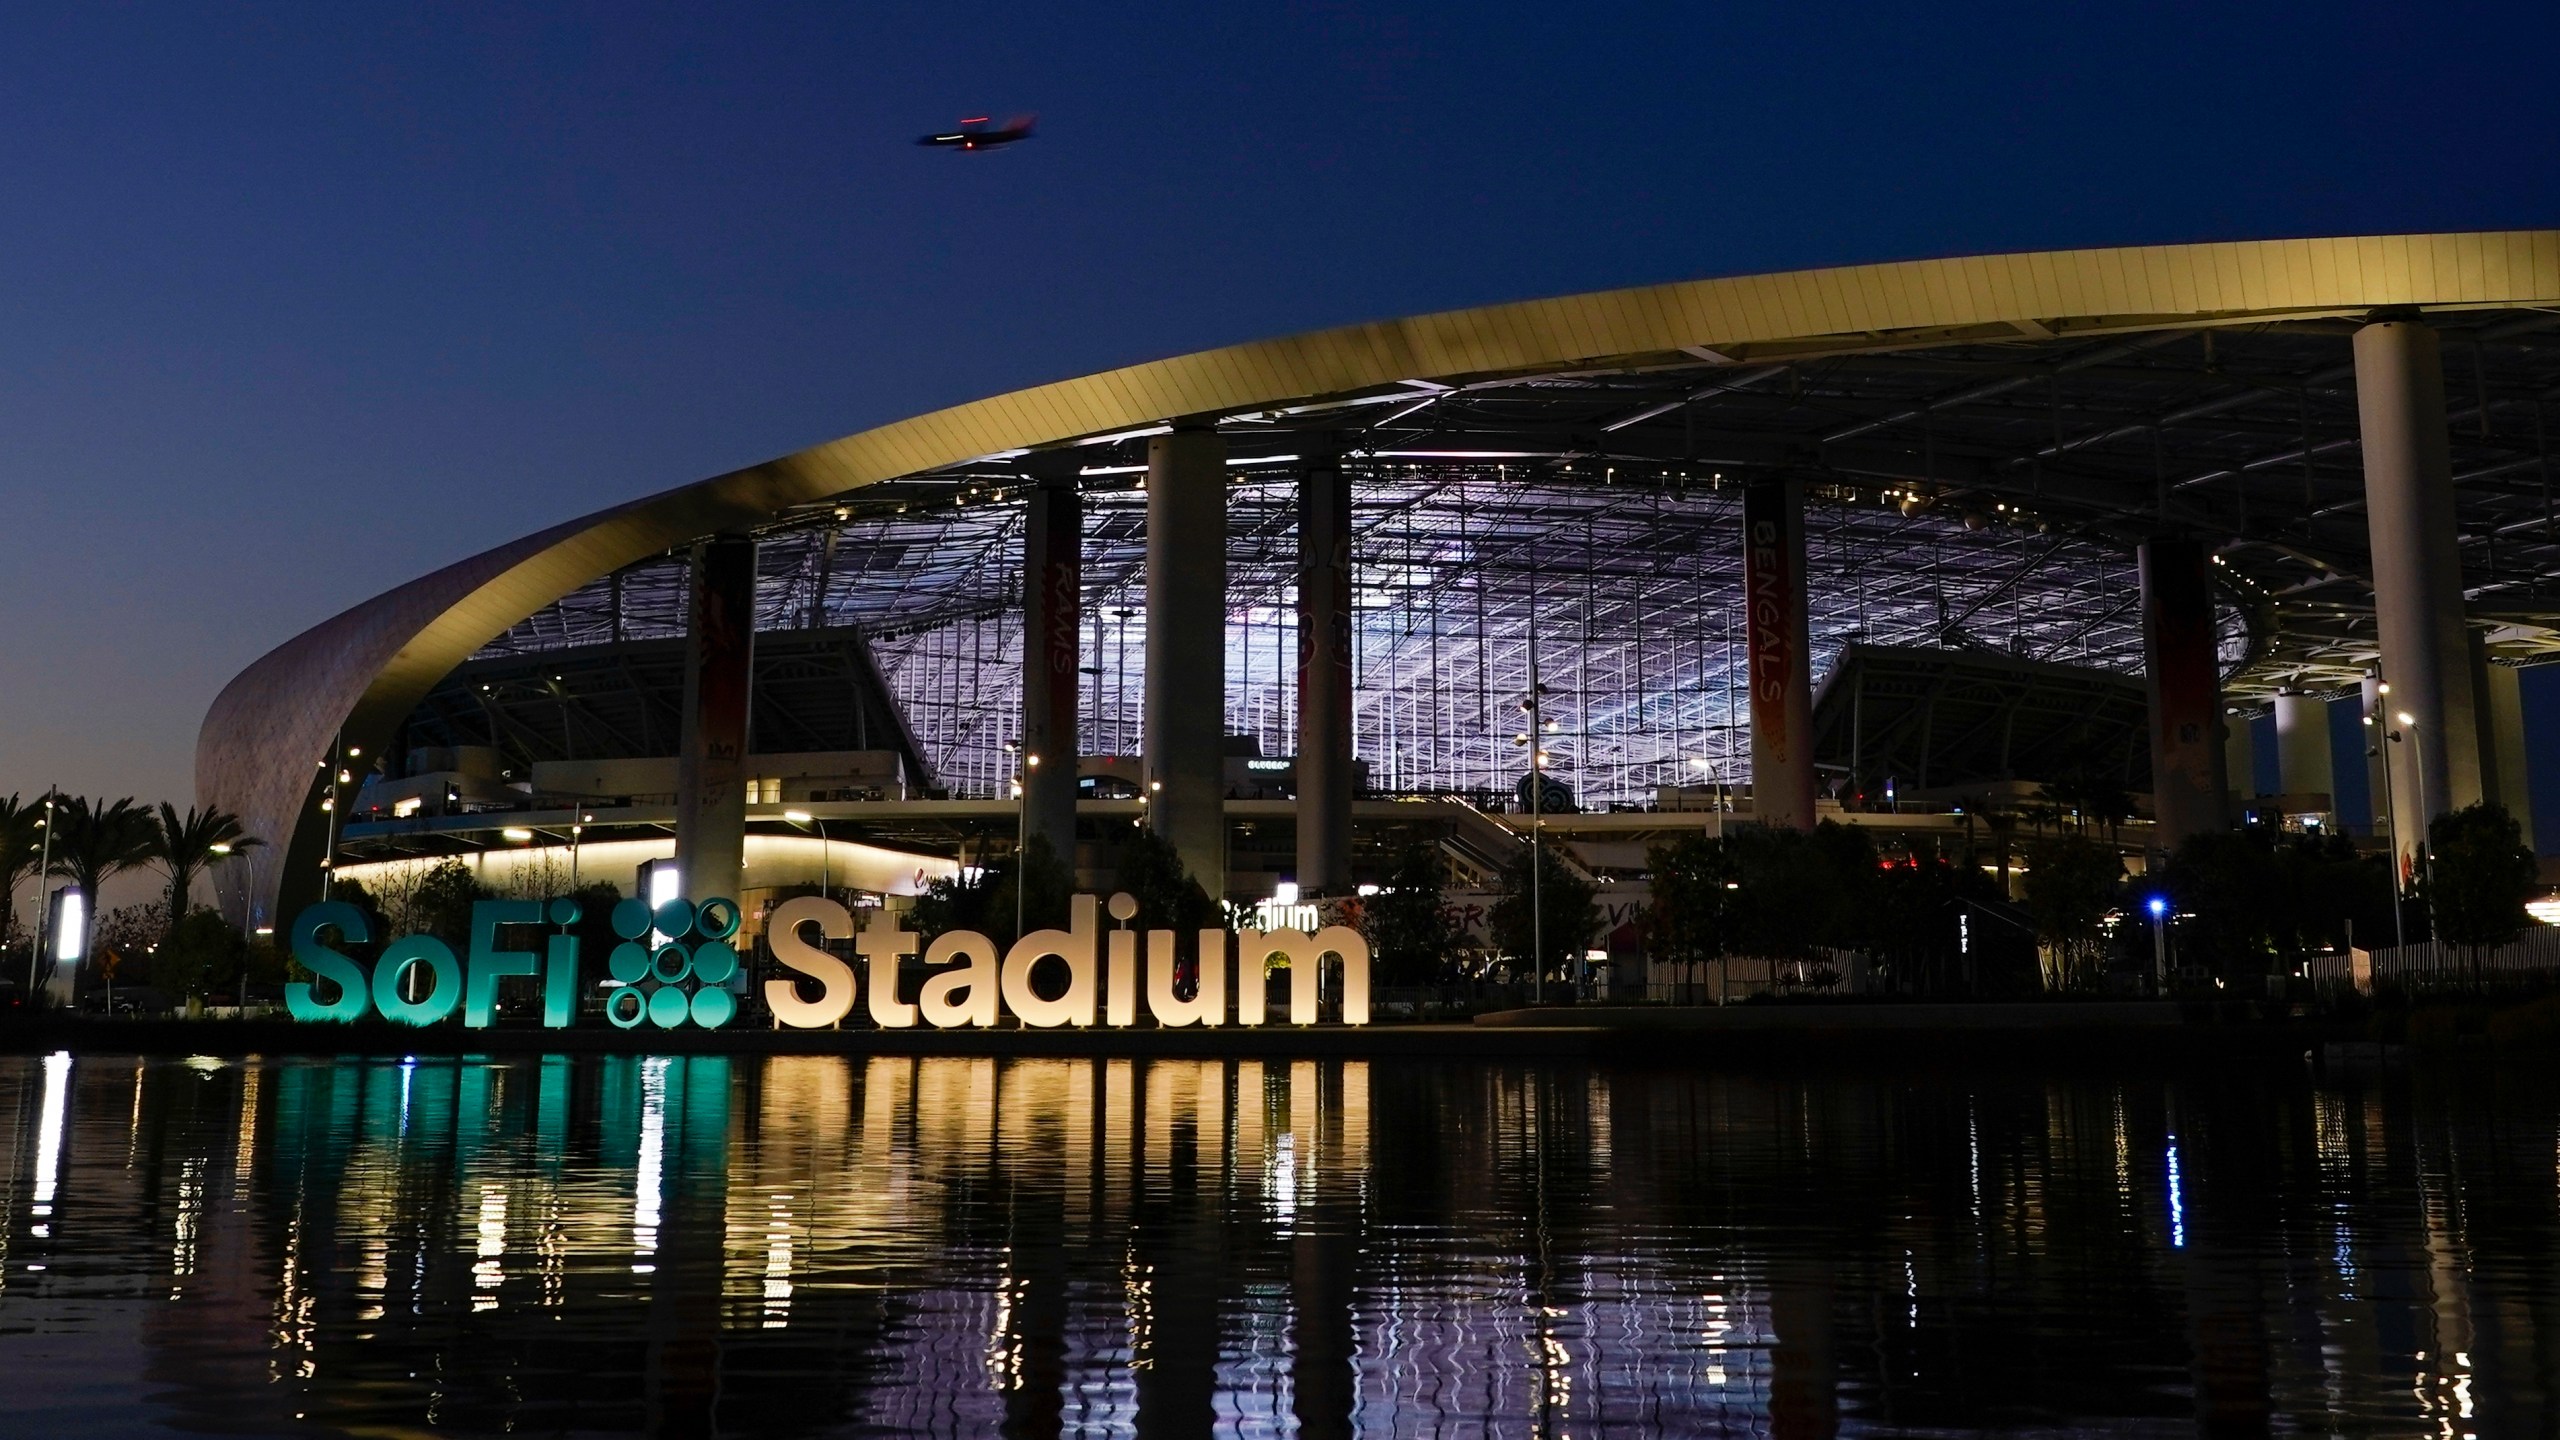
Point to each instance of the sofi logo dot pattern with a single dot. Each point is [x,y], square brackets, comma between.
[674,964]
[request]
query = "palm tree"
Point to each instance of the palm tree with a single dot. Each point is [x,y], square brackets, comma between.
[190,844]
[94,841]
[21,849]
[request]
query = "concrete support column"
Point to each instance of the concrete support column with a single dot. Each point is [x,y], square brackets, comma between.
[1052,624]
[2188,788]
[2501,693]
[1324,677]
[2417,566]
[2302,748]
[719,669]
[2240,758]
[1186,702]
[1780,654]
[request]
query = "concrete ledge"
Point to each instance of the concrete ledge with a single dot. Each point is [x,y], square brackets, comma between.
[2040,1016]
[286,1037]
[2038,1035]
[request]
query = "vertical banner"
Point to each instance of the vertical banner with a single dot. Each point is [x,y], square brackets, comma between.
[711,774]
[2188,788]
[1052,600]
[1779,642]
[1324,678]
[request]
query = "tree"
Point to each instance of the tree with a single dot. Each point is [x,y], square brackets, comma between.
[1768,893]
[2230,897]
[441,905]
[21,852]
[1697,898]
[2478,876]
[953,902]
[2329,896]
[1410,937]
[2072,886]
[122,947]
[1932,921]
[201,951]
[94,841]
[1564,916]
[1152,873]
[1799,890]
[984,899]
[1036,888]
[187,845]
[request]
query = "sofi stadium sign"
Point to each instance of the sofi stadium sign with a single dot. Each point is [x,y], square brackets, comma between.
[676,964]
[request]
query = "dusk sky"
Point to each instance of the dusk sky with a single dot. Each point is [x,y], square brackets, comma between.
[301,302]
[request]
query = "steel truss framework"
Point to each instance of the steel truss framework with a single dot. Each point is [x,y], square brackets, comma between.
[1982,496]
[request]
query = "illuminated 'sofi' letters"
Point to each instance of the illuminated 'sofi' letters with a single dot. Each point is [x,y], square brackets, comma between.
[417,981]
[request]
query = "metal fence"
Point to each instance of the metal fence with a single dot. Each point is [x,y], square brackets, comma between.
[2535,952]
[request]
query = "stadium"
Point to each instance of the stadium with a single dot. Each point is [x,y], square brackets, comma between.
[1895,544]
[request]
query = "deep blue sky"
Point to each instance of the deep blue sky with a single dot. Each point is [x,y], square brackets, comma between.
[296,303]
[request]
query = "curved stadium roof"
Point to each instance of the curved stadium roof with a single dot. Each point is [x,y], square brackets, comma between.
[2036,415]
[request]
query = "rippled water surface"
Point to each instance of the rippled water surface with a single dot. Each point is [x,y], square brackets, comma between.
[820,1246]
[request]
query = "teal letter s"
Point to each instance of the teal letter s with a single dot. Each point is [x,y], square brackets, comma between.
[328,964]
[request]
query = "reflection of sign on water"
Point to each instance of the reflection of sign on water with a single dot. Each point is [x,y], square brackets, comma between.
[674,963]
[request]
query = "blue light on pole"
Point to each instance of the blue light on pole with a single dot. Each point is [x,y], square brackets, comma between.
[2159,908]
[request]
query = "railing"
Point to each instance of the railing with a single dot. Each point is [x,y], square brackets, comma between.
[2535,952]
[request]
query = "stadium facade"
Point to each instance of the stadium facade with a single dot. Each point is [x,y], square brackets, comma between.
[1896,543]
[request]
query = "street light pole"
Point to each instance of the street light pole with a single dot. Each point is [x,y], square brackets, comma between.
[1537,827]
[2391,819]
[2159,946]
[44,911]
[329,846]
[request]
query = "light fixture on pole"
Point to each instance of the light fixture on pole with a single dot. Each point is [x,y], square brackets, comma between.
[2159,908]
[44,867]
[2390,819]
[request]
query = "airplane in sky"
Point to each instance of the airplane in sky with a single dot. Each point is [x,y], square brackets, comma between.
[974,134]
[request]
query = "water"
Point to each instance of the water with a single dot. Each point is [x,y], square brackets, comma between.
[818,1246]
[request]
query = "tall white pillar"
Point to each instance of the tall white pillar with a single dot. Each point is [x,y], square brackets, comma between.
[1186,701]
[2240,758]
[2503,735]
[2302,748]
[2417,568]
